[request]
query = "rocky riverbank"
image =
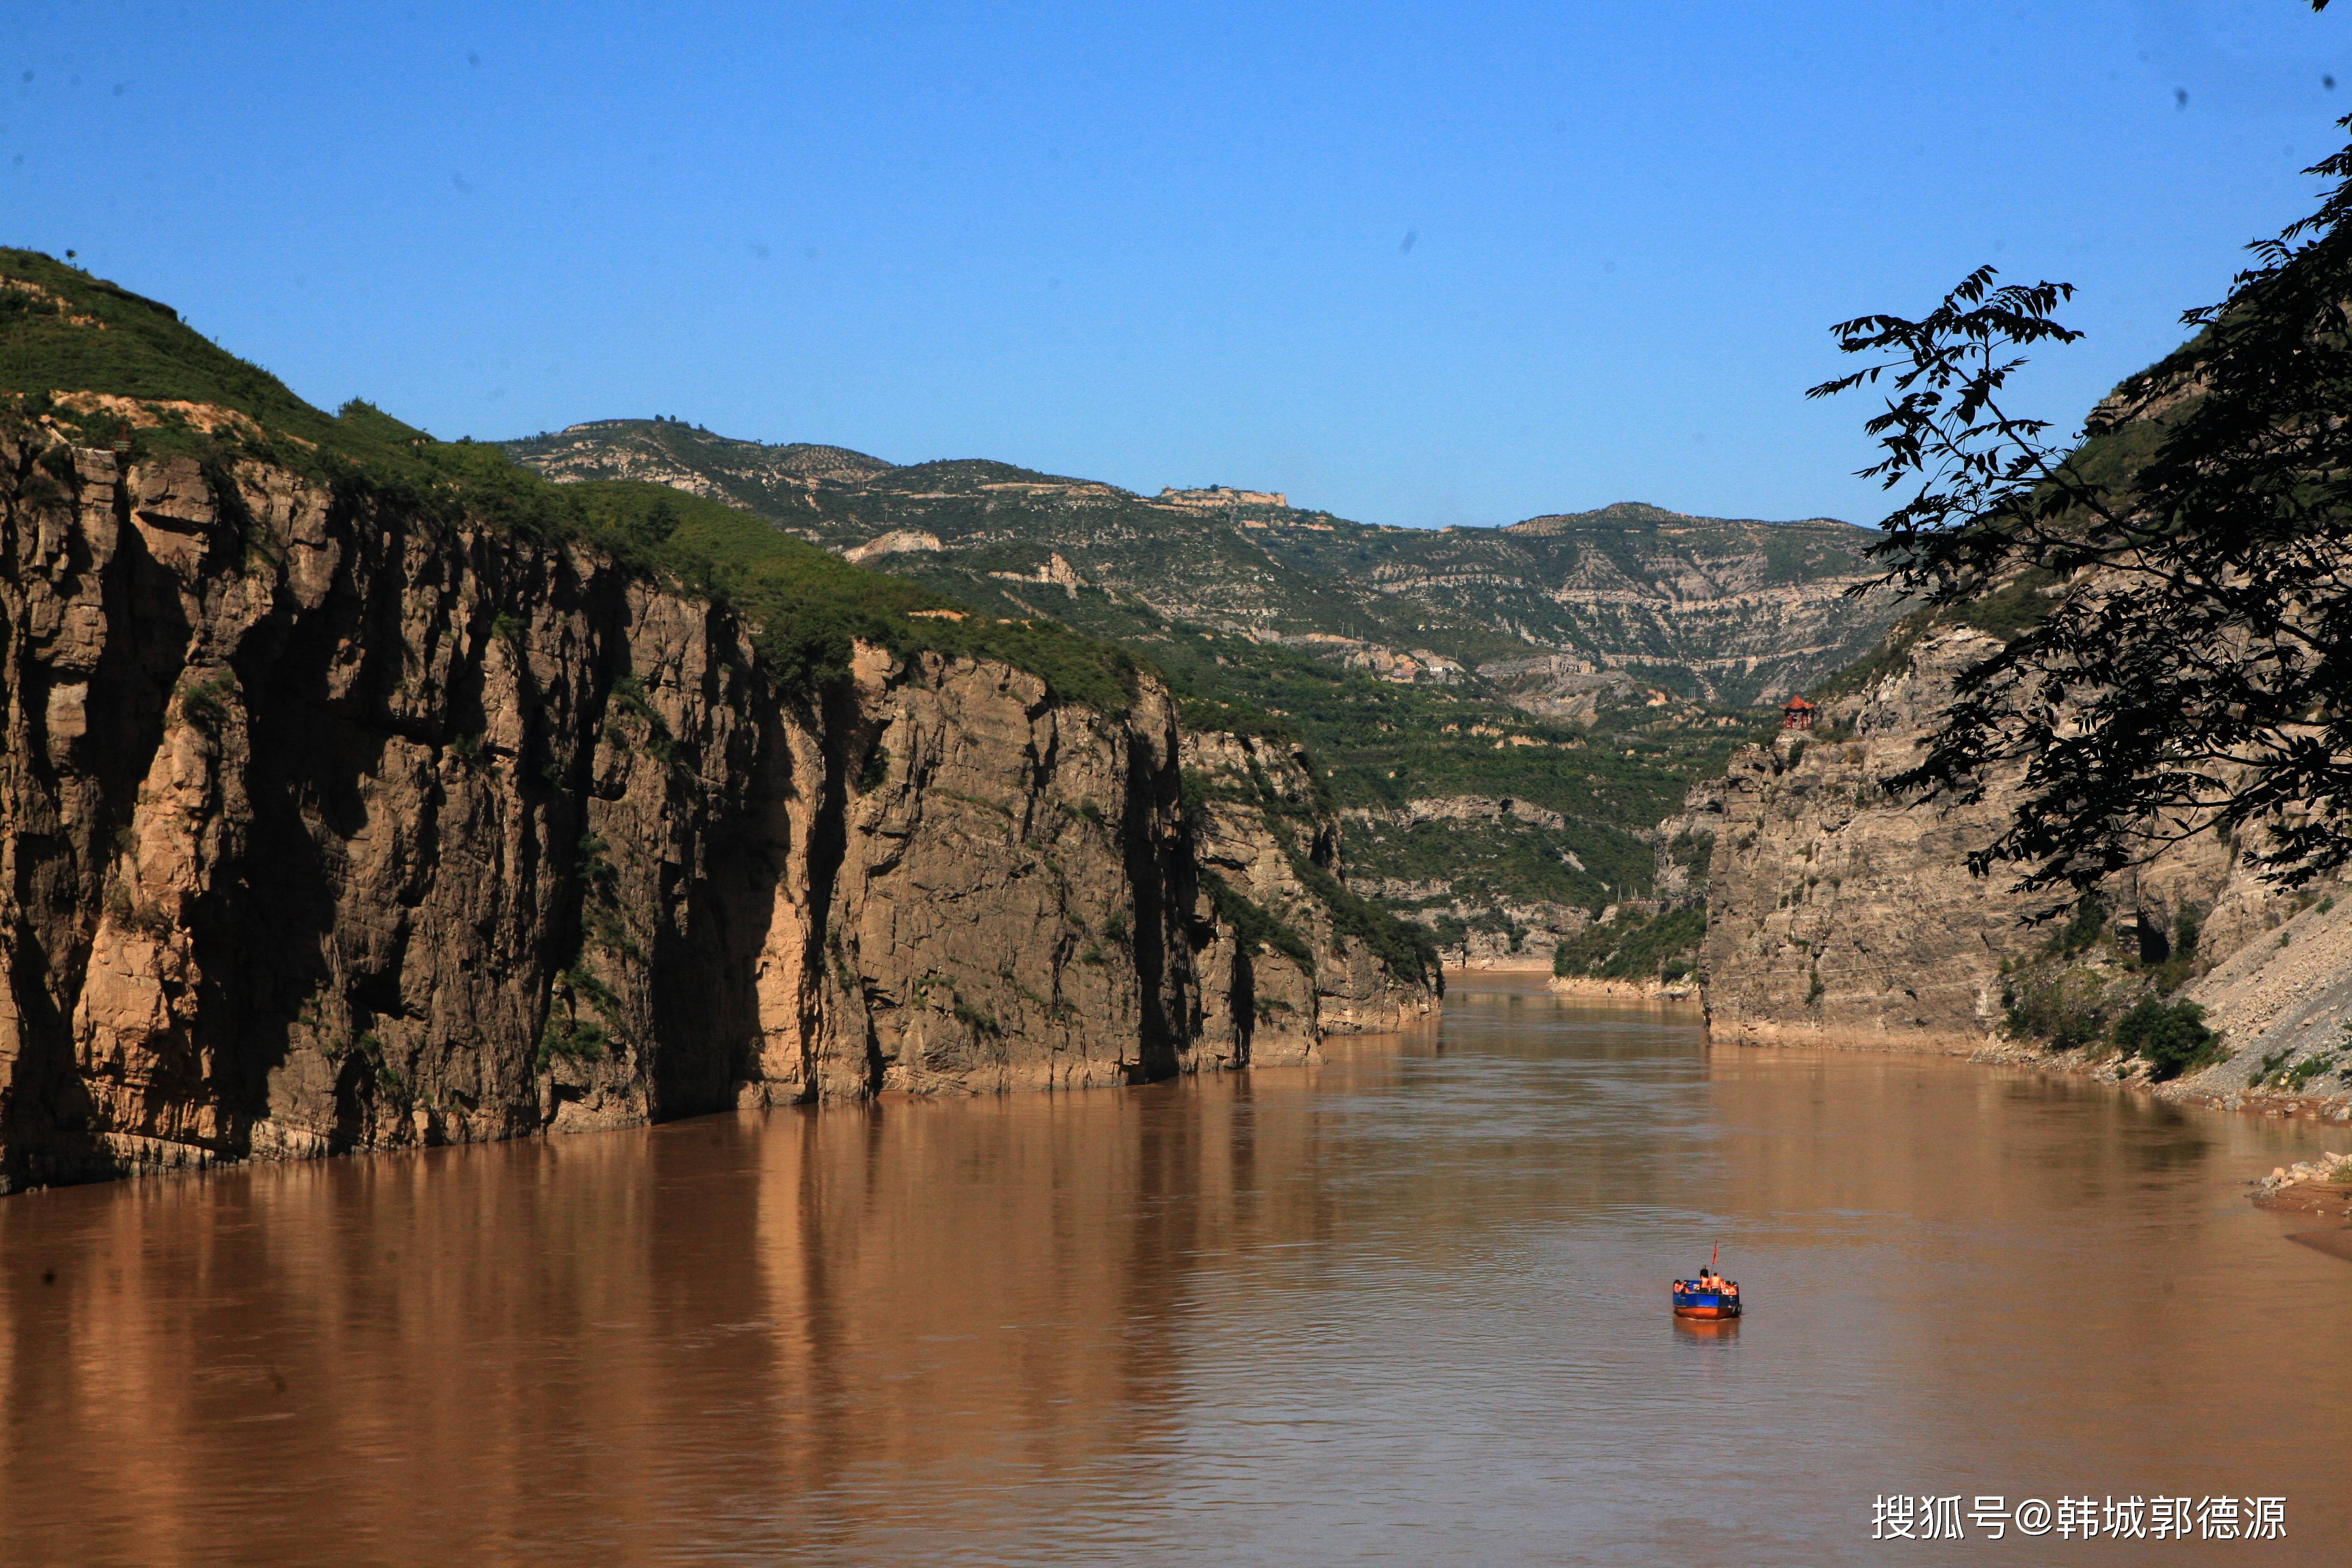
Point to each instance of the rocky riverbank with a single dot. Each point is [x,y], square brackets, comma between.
[2324,1184]
[1649,990]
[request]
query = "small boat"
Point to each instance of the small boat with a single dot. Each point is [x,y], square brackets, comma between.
[1696,1299]
[1708,1297]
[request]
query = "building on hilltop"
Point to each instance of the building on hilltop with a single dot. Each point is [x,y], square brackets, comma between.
[1220,496]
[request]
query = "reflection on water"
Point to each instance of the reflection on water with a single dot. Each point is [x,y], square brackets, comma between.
[1717,1329]
[1409,1303]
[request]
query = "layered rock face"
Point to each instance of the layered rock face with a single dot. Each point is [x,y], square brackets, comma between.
[1839,913]
[1013,904]
[1842,913]
[1736,610]
[328,825]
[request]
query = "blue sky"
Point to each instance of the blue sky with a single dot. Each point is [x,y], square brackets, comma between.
[1418,264]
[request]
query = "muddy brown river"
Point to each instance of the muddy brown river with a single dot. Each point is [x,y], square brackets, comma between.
[1408,1306]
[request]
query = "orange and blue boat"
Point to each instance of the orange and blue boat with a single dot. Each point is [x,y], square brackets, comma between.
[1710,1296]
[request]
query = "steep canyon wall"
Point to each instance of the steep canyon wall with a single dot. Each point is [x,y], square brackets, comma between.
[1842,913]
[1838,911]
[332,824]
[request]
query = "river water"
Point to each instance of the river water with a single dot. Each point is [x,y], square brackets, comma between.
[1408,1306]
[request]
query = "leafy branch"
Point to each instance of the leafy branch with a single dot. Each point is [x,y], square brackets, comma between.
[2193,668]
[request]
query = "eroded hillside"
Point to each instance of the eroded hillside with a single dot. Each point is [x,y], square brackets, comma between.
[1842,912]
[1724,611]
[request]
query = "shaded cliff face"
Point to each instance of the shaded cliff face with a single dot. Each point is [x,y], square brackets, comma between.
[1292,972]
[331,826]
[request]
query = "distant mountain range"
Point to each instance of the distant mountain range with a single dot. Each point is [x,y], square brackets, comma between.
[1552,614]
[1501,715]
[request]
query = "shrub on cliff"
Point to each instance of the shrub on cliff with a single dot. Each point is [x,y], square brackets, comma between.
[2083,931]
[1635,946]
[1404,951]
[2171,1036]
[1255,926]
[2066,1010]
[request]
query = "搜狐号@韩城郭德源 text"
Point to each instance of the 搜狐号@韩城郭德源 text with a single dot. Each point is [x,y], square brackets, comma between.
[1904,1516]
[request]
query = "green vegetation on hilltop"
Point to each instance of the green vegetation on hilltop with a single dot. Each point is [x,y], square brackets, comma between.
[1658,592]
[810,605]
[63,331]
[65,335]
[1379,746]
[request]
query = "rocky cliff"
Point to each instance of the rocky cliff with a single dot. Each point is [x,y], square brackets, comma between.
[1840,913]
[1421,666]
[1837,911]
[332,821]
[1269,854]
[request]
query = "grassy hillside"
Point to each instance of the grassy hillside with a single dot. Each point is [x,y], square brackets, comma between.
[62,331]
[109,366]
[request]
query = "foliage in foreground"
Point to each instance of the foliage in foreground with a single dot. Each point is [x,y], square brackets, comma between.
[2197,667]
